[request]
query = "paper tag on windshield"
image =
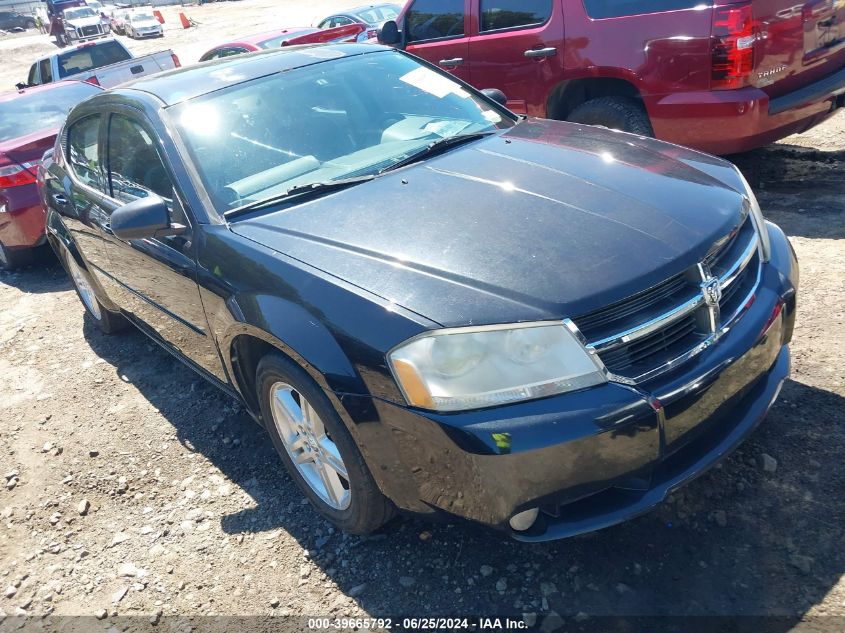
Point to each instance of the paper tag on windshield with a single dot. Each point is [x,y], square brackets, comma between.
[433,83]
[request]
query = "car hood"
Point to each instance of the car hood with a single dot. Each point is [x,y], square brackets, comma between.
[78,23]
[145,23]
[546,221]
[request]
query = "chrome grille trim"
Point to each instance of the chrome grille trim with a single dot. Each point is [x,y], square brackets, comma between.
[718,324]
[631,335]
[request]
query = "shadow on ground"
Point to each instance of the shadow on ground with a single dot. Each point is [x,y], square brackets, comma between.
[800,189]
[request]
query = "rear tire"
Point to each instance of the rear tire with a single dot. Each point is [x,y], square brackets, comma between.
[109,322]
[294,406]
[12,259]
[616,113]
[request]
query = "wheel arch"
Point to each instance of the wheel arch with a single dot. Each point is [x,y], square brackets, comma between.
[570,94]
[266,324]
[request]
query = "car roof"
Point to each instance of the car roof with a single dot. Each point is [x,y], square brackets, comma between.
[14,94]
[189,82]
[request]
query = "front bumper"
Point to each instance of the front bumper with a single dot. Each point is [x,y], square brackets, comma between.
[593,458]
[732,121]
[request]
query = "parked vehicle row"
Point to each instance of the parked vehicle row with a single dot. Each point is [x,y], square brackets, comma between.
[430,303]
[284,37]
[370,17]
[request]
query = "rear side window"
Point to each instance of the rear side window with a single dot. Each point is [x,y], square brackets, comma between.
[135,168]
[91,57]
[598,9]
[434,19]
[514,14]
[46,71]
[83,151]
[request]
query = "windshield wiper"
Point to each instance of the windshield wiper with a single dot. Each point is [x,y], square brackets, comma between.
[299,192]
[436,147]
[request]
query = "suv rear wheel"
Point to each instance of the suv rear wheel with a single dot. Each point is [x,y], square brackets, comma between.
[316,448]
[616,113]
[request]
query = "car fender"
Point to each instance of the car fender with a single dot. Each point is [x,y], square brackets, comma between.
[295,332]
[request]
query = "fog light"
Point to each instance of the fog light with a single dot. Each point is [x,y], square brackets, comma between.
[524,520]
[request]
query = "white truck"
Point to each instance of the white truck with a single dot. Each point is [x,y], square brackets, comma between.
[107,63]
[79,24]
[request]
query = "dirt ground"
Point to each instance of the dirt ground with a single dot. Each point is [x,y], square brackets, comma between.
[132,488]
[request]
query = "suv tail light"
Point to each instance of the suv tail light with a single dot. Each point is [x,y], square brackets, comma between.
[176,61]
[93,80]
[732,46]
[14,175]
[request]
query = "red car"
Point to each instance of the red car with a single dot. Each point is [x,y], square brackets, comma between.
[285,37]
[723,76]
[29,122]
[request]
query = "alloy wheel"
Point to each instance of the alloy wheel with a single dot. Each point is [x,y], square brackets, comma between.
[312,451]
[86,291]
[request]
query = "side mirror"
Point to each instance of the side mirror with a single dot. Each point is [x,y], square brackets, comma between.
[496,95]
[144,218]
[389,34]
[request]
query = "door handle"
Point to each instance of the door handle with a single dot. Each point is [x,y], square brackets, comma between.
[537,53]
[452,63]
[59,199]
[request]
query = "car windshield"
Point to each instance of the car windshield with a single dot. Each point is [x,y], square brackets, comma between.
[91,56]
[379,14]
[340,119]
[142,17]
[81,12]
[40,110]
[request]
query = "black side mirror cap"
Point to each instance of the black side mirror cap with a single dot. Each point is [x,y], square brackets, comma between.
[143,219]
[389,34]
[494,94]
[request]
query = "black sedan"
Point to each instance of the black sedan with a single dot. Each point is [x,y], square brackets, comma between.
[430,304]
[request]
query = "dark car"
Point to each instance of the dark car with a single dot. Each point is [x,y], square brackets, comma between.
[370,17]
[723,77]
[430,303]
[10,20]
[29,121]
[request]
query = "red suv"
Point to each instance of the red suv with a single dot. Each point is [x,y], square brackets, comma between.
[724,76]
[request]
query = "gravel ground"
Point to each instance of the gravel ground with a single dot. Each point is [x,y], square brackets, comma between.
[132,488]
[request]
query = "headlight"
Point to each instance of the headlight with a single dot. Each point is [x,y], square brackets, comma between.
[759,220]
[472,368]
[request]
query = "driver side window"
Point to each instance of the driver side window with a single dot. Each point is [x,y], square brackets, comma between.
[435,19]
[135,168]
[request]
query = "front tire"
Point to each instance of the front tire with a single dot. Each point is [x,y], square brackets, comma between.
[616,113]
[316,448]
[109,322]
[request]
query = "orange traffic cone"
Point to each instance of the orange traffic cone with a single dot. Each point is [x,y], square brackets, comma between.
[159,16]
[186,23]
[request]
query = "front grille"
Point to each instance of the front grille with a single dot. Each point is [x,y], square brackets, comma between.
[657,348]
[90,30]
[645,332]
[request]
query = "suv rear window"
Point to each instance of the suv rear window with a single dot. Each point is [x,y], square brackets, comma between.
[598,9]
[91,57]
[513,14]
[434,19]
